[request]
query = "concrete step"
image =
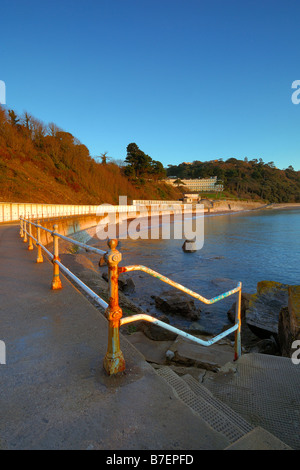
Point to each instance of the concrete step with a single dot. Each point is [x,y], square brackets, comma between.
[258,439]
[220,417]
[217,415]
[264,390]
[203,393]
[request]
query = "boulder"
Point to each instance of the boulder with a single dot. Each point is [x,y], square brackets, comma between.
[266,346]
[244,306]
[126,285]
[289,322]
[262,315]
[177,303]
[155,332]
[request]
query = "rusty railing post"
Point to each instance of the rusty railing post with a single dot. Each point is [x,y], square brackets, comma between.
[40,258]
[21,228]
[114,361]
[30,244]
[238,319]
[56,282]
[25,230]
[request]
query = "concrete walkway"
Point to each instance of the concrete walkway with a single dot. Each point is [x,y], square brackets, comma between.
[54,392]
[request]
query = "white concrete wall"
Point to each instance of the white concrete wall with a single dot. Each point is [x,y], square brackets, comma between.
[11,212]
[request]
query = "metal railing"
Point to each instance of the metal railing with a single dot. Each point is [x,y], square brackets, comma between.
[114,361]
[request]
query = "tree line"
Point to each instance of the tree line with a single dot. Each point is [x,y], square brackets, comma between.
[244,178]
[43,163]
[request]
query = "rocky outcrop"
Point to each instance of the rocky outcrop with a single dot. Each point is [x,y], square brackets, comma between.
[155,332]
[262,315]
[126,285]
[177,303]
[244,306]
[289,322]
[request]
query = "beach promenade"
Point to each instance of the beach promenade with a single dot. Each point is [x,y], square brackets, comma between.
[55,393]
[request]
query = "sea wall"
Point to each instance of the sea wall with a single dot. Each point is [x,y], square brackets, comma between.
[70,225]
[232,205]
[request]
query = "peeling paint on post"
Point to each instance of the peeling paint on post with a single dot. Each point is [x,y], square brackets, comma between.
[238,321]
[56,282]
[25,230]
[38,237]
[30,244]
[114,361]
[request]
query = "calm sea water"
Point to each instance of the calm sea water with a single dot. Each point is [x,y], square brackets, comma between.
[247,246]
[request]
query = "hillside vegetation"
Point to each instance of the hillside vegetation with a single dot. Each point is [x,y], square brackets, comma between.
[252,179]
[42,163]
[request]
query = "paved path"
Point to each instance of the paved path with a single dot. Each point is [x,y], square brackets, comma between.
[54,392]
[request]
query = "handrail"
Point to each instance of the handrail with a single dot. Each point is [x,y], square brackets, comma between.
[56,284]
[173,329]
[179,286]
[114,361]
[63,237]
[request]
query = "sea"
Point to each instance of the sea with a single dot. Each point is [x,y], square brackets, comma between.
[246,247]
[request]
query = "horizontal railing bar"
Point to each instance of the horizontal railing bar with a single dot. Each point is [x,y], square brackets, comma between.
[166,326]
[82,285]
[70,240]
[179,286]
[47,251]
[82,245]
[37,225]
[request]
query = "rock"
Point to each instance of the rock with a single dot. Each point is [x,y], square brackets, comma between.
[170,355]
[244,306]
[289,322]
[262,316]
[155,332]
[189,246]
[125,285]
[190,354]
[266,346]
[177,303]
[153,351]
[196,329]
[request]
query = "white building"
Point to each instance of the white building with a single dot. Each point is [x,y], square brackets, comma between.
[200,184]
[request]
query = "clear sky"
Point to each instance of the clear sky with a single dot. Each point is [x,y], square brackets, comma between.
[183,79]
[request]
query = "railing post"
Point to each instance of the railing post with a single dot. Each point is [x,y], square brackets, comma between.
[56,282]
[238,346]
[21,228]
[30,244]
[40,258]
[25,230]
[114,361]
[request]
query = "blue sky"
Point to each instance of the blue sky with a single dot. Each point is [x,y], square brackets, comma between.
[184,79]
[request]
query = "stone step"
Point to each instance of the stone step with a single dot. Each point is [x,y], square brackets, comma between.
[264,390]
[258,439]
[202,392]
[219,417]
[212,358]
